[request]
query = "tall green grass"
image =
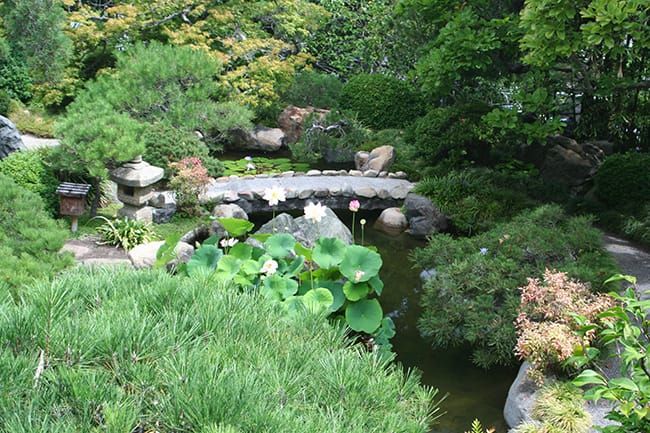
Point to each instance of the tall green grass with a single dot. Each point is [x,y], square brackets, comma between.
[126,351]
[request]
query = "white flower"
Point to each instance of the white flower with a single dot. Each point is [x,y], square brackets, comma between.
[483,251]
[250,166]
[274,195]
[269,267]
[362,222]
[225,243]
[248,158]
[358,275]
[315,212]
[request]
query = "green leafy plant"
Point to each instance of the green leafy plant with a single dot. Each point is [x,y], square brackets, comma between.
[260,164]
[126,350]
[474,296]
[624,329]
[624,181]
[125,233]
[313,89]
[477,427]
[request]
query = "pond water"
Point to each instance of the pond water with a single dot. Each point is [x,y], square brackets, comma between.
[471,392]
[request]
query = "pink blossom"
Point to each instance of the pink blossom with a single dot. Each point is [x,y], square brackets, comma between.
[354,206]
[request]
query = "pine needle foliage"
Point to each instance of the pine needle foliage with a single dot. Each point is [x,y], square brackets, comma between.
[129,350]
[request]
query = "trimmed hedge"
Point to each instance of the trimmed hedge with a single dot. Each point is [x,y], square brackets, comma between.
[29,238]
[133,351]
[624,181]
[381,101]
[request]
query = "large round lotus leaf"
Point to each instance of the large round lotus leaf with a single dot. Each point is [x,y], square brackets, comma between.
[295,266]
[204,259]
[318,300]
[328,252]
[280,245]
[360,264]
[229,265]
[364,316]
[250,267]
[235,226]
[241,251]
[355,292]
[336,289]
[280,287]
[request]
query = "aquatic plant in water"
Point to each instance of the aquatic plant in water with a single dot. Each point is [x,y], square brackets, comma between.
[259,165]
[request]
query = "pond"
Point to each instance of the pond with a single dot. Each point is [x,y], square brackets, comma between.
[472,392]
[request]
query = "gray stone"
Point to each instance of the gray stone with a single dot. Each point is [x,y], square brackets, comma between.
[137,213]
[356,173]
[163,199]
[379,159]
[262,176]
[335,191]
[307,232]
[314,173]
[260,138]
[321,192]
[383,193]
[246,195]
[144,255]
[87,252]
[330,173]
[10,140]
[365,192]
[292,119]
[305,193]
[400,175]
[383,174]
[289,173]
[370,173]
[229,211]
[569,163]
[163,215]
[137,173]
[343,172]
[424,218]
[391,221]
[399,192]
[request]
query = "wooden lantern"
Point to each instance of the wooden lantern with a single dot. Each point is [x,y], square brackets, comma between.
[72,201]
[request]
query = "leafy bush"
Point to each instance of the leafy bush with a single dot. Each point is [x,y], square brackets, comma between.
[335,138]
[125,233]
[5,101]
[546,323]
[127,350]
[638,228]
[448,135]
[189,180]
[381,101]
[14,76]
[31,171]
[559,408]
[624,329]
[29,239]
[314,89]
[165,144]
[624,181]
[473,199]
[474,296]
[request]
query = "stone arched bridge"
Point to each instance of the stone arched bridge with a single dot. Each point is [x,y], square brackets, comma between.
[332,188]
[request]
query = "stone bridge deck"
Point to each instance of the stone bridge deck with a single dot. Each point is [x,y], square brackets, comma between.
[334,190]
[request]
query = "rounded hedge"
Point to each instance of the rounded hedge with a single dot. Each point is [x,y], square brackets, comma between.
[31,171]
[313,89]
[143,350]
[624,180]
[381,101]
[30,239]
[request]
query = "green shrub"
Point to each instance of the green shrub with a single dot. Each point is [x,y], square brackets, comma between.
[561,406]
[5,101]
[314,89]
[31,170]
[166,144]
[473,199]
[448,135]
[381,101]
[638,228]
[14,76]
[129,350]
[474,296]
[29,238]
[624,181]
[335,138]
[125,233]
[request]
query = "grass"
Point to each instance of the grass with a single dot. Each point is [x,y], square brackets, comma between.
[119,350]
[31,120]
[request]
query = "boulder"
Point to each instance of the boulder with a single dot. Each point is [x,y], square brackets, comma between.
[423,217]
[163,199]
[380,159]
[260,138]
[144,255]
[10,140]
[307,232]
[391,221]
[569,163]
[162,215]
[523,394]
[292,119]
[229,211]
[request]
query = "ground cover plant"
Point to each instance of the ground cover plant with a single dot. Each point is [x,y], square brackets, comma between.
[474,296]
[29,238]
[260,164]
[122,350]
[125,233]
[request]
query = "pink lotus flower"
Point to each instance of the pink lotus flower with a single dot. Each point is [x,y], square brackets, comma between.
[354,206]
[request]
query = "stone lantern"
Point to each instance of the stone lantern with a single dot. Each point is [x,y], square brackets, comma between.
[135,181]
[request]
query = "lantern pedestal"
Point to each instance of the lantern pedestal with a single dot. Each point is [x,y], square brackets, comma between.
[135,181]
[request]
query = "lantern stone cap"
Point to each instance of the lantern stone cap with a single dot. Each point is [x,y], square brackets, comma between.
[137,173]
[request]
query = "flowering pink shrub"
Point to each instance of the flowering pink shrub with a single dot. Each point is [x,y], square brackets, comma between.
[546,323]
[189,180]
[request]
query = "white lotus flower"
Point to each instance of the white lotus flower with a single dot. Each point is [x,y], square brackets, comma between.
[358,275]
[269,267]
[228,243]
[248,158]
[250,166]
[315,212]
[274,195]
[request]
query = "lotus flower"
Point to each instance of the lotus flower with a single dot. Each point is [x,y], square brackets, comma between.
[315,212]
[274,195]
[228,243]
[269,267]
[354,206]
